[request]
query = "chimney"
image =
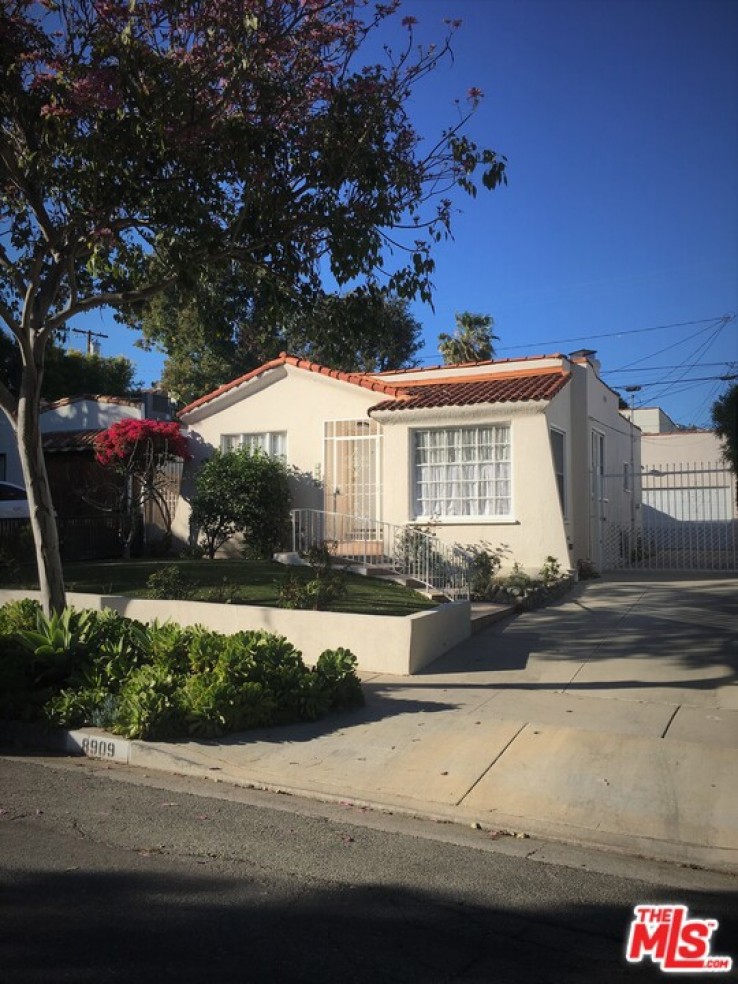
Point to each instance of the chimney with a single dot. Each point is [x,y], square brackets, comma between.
[587,355]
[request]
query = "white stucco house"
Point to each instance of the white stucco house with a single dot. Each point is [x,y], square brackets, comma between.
[510,452]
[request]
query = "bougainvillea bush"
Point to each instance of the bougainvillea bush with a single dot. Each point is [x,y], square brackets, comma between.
[138,451]
[89,668]
[141,444]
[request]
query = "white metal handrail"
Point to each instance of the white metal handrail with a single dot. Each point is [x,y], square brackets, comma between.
[406,551]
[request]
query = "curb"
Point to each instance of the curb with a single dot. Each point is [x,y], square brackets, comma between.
[100,745]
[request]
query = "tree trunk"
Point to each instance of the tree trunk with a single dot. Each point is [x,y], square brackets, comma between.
[41,508]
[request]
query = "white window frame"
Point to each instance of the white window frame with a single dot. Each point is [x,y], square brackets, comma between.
[273,443]
[563,489]
[502,467]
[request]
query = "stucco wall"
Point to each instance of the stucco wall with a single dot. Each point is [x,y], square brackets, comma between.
[679,447]
[88,415]
[285,399]
[381,643]
[536,528]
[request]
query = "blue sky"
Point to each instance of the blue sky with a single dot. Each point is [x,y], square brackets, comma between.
[619,119]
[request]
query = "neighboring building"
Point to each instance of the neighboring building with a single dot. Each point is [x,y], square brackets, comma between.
[513,452]
[84,493]
[72,423]
[650,420]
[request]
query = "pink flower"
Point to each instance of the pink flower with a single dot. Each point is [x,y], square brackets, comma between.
[409,21]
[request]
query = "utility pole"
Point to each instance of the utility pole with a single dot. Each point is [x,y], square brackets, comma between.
[90,335]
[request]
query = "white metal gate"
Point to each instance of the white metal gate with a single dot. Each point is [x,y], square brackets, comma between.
[685,519]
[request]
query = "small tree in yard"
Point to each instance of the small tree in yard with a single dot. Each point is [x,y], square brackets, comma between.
[144,145]
[138,452]
[244,491]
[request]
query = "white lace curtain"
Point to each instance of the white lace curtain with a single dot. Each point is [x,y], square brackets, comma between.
[463,471]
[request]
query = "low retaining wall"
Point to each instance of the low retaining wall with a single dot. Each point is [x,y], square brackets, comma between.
[399,645]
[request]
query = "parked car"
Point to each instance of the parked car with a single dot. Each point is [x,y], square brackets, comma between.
[13,501]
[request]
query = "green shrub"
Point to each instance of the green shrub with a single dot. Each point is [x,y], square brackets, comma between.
[551,570]
[170,583]
[16,616]
[160,681]
[71,708]
[244,491]
[212,705]
[321,591]
[484,567]
[517,582]
[149,706]
[168,646]
[337,667]
[312,699]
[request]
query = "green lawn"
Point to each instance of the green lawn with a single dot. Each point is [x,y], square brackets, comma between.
[246,582]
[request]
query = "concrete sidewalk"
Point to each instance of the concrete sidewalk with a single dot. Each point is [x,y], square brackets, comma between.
[608,719]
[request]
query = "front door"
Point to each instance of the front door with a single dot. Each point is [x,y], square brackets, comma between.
[352,493]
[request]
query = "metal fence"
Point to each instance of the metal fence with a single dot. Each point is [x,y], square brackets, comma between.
[406,551]
[686,519]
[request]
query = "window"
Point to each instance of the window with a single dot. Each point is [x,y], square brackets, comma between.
[463,471]
[626,477]
[558,453]
[273,442]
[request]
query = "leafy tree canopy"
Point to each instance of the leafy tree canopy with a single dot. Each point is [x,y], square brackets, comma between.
[725,422]
[472,340]
[144,144]
[217,333]
[70,373]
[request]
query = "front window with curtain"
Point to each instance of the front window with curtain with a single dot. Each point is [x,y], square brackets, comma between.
[272,442]
[463,472]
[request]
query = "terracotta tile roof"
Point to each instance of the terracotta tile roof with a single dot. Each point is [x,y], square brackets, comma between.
[366,380]
[507,388]
[535,383]
[73,440]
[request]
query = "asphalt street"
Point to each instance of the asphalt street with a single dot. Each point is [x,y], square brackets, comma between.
[114,874]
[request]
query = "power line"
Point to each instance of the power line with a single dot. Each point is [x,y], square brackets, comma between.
[692,365]
[715,326]
[698,353]
[688,382]
[724,319]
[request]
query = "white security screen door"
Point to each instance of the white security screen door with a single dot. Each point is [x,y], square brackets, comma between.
[352,452]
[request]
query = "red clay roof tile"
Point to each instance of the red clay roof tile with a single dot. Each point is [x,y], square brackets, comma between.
[365,380]
[510,388]
[541,383]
